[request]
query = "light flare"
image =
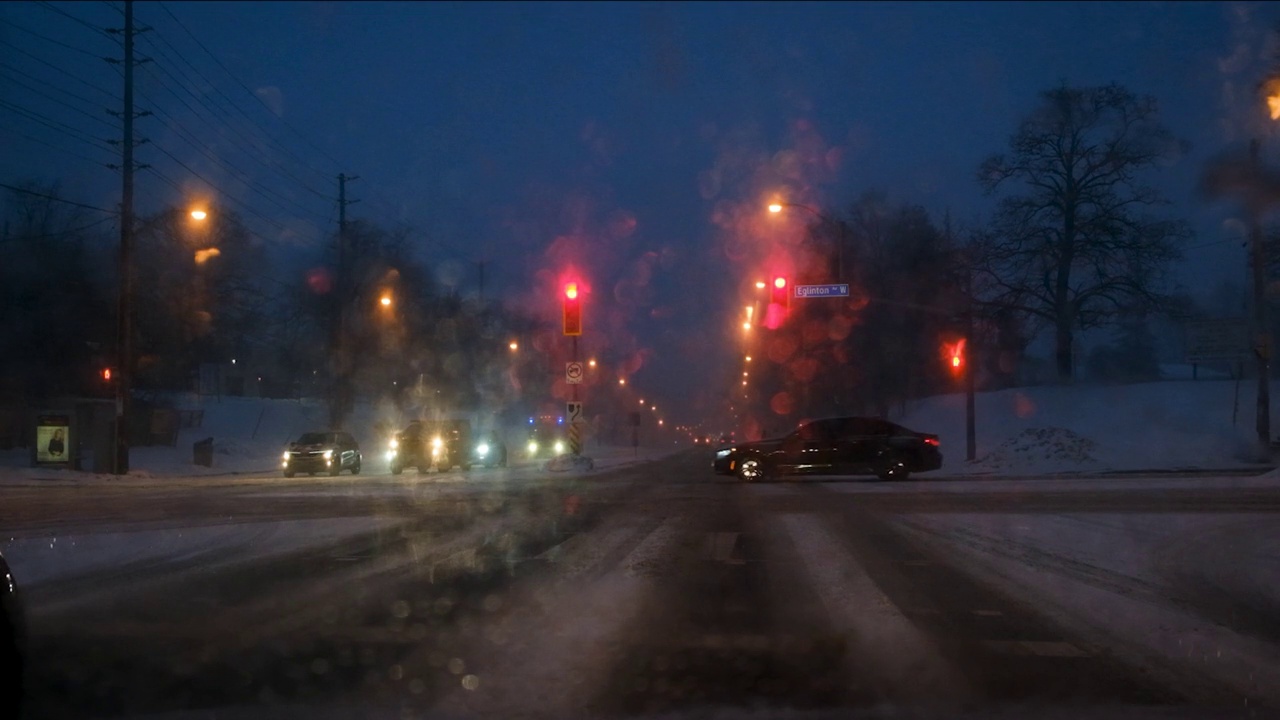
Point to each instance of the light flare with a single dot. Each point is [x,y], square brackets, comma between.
[204,255]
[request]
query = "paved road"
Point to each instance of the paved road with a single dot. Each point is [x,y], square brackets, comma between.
[658,589]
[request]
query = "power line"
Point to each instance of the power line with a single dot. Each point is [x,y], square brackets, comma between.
[64,233]
[63,103]
[48,39]
[54,198]
[113,7]
[69,74]
[51,123]
[249,208]
[69,16]
[245,87]
[230,125]
[64,91]
[59,148]
[244,177]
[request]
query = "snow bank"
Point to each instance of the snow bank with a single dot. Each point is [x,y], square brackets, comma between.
[1160,425]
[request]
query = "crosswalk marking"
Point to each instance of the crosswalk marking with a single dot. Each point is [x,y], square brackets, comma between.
[720,546]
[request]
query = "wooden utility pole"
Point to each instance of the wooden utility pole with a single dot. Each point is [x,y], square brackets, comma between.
[1262,334]
[339,357]
[124,317]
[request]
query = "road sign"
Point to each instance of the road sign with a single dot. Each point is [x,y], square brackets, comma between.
[1210,340]
[820,291]
[573,411]
[573,372]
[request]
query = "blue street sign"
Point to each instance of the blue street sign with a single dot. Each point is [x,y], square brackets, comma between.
[835,290]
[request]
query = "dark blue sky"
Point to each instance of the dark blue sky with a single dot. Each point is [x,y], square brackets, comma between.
[611,134]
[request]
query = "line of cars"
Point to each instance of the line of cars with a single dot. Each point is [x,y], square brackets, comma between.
[423,444]
[834,446]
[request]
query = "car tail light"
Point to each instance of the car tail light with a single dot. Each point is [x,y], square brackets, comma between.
[930,440]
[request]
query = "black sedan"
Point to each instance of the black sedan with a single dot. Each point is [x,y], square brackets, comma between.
[326,452]
[835,446]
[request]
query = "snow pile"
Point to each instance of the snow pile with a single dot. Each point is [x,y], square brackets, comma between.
[565,463]
[1168,425]
[1041,448]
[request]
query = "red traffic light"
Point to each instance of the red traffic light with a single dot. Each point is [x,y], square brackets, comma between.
[780,296]
[955,357]
[572,309]
[106,374]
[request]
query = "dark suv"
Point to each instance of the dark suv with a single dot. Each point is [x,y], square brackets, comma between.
[444,444]
[836,446]
[330,452]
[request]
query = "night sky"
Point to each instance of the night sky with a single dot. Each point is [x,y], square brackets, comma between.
[637,142]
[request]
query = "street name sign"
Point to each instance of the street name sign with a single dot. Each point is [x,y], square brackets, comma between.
[821,291]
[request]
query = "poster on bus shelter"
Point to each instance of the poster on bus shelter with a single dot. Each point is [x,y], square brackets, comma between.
[53,439]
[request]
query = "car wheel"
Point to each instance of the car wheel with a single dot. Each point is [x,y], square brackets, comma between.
[751,469]
[333,471]
[465,467]
[892,467]
[288,473]
[355,469]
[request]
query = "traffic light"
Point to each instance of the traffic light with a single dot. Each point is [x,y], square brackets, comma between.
[572,309]
[781,294]
[106,374]
[955,358]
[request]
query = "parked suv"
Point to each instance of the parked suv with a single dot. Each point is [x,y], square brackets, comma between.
[330,452]
[443,444]
[836,446]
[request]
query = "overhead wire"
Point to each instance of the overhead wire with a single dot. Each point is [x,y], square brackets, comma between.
[50,40]
[64,233]
[59,148]
[69,74]
[247,207]
[54,198]
[69,16]
[276,198]
[245,87]
[63,103]
[53,124]
[214,109]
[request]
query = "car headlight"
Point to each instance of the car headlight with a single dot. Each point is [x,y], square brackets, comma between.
[393,444]
[482,449]
[559,447]
[391,455]
[286,456]
[437,443]
[327,454]
[533,446]
[723,453]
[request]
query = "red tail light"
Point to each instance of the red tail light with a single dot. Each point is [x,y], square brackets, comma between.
[929,440]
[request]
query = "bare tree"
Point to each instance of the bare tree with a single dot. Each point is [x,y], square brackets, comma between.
[1074,245]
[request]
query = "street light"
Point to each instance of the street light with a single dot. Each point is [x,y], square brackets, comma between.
[385,300]
[514,346]
[622,381]
[776,208]
[199,214]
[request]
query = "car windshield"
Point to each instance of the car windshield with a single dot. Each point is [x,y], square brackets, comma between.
[315,439]
[676,359]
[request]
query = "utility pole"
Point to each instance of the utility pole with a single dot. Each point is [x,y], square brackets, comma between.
[124,314]
[339,360]
[1262,335]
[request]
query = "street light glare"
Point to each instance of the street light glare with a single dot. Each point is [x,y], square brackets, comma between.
[759,284]
[622,381]
[514,346]
[199,214]
[775,207]
[386,301]
[746,326]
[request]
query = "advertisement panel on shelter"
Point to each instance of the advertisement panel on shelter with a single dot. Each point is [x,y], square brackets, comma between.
[53,439]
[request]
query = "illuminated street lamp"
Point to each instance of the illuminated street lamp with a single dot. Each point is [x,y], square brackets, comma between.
[199,214]
[514,346]
[591,363]
[385,300]
[776,208]
[760,285]
[622,381]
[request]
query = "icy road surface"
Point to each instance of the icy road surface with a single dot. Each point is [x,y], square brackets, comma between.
[650,589]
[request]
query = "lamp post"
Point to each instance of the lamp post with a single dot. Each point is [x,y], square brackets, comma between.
[777,208]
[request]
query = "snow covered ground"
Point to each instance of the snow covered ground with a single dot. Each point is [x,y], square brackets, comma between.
[1167,425]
